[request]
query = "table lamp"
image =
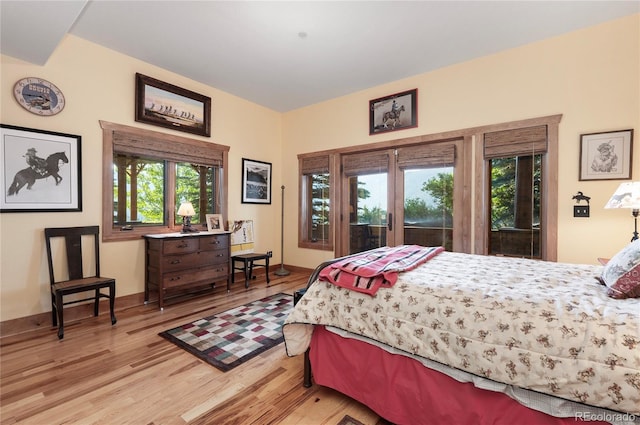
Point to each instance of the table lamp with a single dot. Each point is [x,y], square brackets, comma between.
[186,211]
[627,195]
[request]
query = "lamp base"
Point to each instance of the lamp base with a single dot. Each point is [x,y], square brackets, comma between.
[281,272]
[189,230]
[186,226]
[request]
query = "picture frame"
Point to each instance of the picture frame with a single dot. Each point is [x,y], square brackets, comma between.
[256,182]
[165,105]
[41,171]
[394,112]
[215,224]
[606,155]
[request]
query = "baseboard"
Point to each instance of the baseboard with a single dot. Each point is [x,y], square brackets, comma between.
[81,311]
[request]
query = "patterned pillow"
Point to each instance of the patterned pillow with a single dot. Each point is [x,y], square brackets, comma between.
[622,273]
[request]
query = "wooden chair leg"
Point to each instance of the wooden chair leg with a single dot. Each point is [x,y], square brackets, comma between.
[266,262]
[233,272]
[54,310]
[60,315]
[246,274]
[96,303]
[112,301]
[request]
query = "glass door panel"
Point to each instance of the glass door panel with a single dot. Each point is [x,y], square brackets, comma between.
[367,196]
[428,207]
[515,206]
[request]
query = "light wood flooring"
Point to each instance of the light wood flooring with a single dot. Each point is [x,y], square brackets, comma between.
[127,374]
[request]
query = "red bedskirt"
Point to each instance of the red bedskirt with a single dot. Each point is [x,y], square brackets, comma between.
[403,391]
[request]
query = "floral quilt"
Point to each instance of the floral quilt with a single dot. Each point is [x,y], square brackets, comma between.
[545,326]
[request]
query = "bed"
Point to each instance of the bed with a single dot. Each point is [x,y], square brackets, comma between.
[462,338]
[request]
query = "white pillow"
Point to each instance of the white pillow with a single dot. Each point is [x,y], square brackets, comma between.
[622,273]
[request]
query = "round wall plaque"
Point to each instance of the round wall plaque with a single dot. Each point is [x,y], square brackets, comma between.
[38,96]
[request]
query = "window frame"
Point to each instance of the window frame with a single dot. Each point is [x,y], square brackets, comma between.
[172,148]
[470,197]
[549,187]
[304,194]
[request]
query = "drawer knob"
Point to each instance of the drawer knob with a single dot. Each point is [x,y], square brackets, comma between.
[220,255]
[214,242]
[175,278]
[183,245]
[175,262]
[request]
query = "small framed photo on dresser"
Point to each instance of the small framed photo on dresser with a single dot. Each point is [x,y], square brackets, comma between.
[215,223]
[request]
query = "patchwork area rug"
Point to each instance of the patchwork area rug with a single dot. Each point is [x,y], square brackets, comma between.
[348,420]
[228,339]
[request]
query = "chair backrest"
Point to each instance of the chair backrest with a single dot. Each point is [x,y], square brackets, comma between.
[73,244]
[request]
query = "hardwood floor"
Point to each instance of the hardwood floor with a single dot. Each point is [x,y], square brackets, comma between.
[127,374]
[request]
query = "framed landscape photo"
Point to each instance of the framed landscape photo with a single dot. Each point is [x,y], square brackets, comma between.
[215,223]
[395,112]
[606,156]
[256,182]
[170,106]
[40,170]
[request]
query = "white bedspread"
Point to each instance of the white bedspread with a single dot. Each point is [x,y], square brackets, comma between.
[548,327]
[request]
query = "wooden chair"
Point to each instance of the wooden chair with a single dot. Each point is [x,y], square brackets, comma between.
[77,282]
[248,262]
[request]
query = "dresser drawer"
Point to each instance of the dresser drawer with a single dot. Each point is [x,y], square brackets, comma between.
[218,256]
[187,277]
[181,246]
[208,243]
[171,263]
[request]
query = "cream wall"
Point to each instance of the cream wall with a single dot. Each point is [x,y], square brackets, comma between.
[590,76]
[98,84]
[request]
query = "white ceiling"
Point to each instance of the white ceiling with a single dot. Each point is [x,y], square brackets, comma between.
[254,49]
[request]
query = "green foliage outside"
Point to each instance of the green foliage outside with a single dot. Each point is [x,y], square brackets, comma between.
[150,191]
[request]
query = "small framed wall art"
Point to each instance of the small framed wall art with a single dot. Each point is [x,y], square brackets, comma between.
[395,112]
[170,106]
[606,156]
[256,182]
[41,170]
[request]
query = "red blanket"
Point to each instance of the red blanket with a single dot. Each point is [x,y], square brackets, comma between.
[371,270]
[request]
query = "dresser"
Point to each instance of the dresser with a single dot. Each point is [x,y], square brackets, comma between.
[178,262]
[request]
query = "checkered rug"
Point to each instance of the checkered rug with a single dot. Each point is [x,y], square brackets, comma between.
[230,338]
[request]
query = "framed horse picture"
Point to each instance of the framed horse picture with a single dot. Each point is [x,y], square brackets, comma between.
[395,112]
[40,170]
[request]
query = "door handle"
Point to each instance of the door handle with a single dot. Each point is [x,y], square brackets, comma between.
[390,222]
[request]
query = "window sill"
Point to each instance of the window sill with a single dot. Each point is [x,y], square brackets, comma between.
[319,245]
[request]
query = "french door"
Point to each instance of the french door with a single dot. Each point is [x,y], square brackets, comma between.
[400,196]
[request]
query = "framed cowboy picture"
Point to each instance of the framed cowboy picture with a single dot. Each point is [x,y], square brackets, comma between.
[41,170]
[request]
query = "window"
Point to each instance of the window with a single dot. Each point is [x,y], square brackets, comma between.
[136,196]
[146,175]
[442,189]
[518,197]
[198,185]
[515,206]
[315,229]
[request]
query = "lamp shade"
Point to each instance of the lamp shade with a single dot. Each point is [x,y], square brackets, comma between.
[186,210]
[627,195]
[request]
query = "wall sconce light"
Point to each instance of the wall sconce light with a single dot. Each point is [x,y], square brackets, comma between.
[186,211]
[627,196]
